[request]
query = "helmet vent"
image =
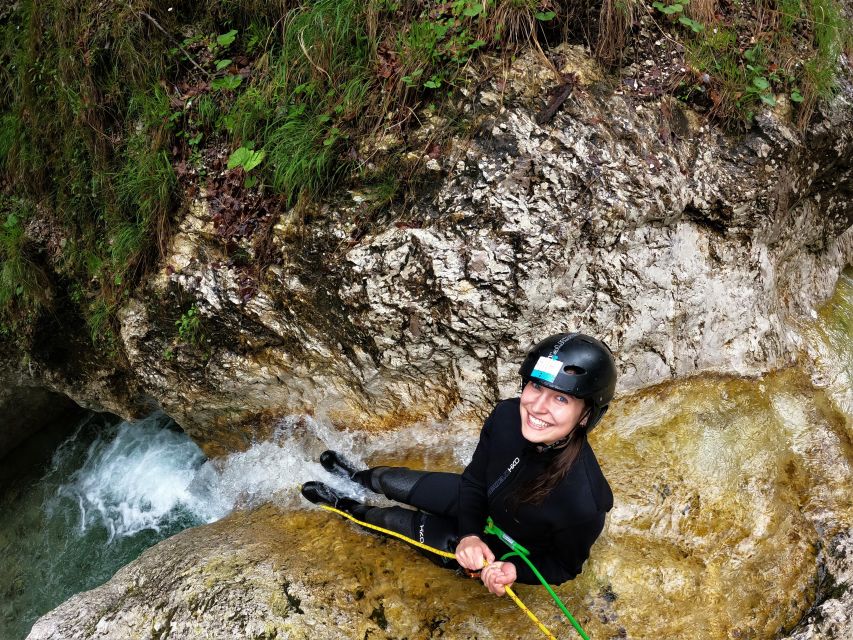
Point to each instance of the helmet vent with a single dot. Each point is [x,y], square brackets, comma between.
[573,371]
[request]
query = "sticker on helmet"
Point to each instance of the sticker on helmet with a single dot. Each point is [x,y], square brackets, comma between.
[546,369]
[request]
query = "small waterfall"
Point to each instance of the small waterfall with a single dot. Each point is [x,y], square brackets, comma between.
[134,479]
[111,490]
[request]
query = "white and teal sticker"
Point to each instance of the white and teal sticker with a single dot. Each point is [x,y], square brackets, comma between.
[546,369]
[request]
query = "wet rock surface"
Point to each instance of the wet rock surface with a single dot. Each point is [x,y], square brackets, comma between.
[732,519]
[256,575]
[830,617]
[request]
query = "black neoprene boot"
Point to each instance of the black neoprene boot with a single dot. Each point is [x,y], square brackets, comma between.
[320,493]
[394,482]
[335,463]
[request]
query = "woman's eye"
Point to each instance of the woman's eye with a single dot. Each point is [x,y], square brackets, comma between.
[537,386]
[562,399]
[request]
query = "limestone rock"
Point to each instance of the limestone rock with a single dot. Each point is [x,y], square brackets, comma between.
[831,618]
[686,253]
[256,575]
[687,250]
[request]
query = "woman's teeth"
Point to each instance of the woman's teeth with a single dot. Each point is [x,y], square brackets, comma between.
[536,423]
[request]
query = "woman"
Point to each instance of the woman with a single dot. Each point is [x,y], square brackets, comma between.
[533,472]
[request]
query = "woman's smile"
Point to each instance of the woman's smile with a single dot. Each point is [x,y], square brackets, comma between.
[536,423]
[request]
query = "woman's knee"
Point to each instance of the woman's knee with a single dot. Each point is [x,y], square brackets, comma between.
[395,483]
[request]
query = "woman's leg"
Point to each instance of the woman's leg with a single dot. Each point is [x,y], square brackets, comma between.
[433,491]
[435,531]
[434,494]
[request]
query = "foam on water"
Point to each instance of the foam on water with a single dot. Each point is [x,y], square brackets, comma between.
[273,471]
[135,480]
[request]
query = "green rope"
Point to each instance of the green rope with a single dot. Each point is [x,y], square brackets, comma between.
[521,552]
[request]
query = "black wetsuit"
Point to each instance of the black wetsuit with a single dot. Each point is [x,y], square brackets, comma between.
[559,532]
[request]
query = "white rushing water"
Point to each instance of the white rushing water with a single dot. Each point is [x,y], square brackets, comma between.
[148,475]
[136,480]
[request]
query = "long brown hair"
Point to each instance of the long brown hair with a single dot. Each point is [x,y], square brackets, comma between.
[536,491]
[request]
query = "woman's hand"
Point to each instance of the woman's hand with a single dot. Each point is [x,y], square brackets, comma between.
[497,576]
[472,553]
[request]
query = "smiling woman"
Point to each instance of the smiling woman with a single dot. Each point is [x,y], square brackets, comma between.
[533,473]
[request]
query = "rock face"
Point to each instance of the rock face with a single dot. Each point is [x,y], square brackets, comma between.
[255,575]
[28,409]
[831,618]
[684,249]
[729,492]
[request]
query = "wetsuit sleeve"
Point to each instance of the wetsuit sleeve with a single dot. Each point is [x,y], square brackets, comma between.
[473,502]
[571,548]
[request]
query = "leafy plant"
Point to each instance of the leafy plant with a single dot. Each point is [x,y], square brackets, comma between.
[677,7]
[226,39]
[226,83]
[189,326]
[246,158]
[759,84]
[694,26]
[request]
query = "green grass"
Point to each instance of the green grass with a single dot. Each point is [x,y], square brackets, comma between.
[793,52]
[830,31]
[22,281]
[300,109]
[95,119]
[82,133]
[9,127]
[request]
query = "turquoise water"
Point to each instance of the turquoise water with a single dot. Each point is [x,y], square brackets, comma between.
[76,508]
[109,491]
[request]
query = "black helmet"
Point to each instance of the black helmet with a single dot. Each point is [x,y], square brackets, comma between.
[575,364]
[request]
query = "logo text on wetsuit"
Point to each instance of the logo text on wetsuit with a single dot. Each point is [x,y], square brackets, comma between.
[503,477]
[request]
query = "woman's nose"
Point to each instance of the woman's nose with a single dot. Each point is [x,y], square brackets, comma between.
[540,403]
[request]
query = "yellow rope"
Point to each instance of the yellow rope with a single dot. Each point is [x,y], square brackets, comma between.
[445,554]
[421,545]
[529,613]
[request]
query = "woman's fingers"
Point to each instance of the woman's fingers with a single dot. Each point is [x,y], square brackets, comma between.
[498,576]
[472,552]
[491,578]
[487,553]
[510,573]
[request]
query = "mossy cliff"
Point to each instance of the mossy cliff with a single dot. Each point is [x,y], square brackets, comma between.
[367,210]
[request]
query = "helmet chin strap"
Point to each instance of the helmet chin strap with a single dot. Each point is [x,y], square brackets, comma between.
[558,444]
[562,442]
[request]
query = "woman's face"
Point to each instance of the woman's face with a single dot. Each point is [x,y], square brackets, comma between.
[546,415]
